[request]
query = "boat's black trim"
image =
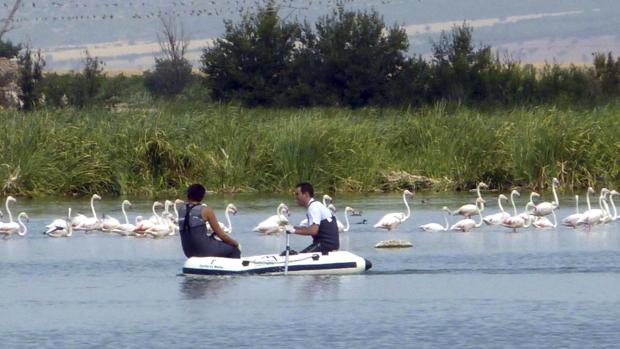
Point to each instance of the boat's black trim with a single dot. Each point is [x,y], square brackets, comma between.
[278,269]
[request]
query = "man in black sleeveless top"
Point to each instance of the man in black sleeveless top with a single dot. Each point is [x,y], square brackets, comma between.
[195,238]
[322,224]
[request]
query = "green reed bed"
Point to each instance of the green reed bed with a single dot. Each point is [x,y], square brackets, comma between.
[165,147]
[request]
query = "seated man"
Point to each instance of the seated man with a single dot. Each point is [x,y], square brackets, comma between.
[322,224]
[195,239]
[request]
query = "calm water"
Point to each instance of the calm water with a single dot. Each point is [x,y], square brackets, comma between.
[488,288]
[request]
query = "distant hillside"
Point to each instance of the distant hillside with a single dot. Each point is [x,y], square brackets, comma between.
[123,33]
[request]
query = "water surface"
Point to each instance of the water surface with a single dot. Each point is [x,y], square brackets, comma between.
[488,288]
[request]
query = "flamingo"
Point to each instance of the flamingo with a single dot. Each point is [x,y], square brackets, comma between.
[526,214]
[7,229]
[165,227]
[230,208]
[495,219]
[436,227]
[109,223]
[327,200]
[60,227]
[466,225]
[274,224]
[545,208]
[144,224]
[81,222]
[545,223]
[393,220]
[341,227]
[571,221]
[9,199]
[611,200]
[469,210]
[594,215]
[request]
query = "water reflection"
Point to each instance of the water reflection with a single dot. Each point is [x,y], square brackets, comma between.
[202,287]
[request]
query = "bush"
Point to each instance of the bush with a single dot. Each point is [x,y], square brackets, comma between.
[169,78]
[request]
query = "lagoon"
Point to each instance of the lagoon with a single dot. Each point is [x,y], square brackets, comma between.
[489,288]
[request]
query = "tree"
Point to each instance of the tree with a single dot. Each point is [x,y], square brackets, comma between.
[251,62]
[86,85]
[172,71]
[359,56]
[30,75]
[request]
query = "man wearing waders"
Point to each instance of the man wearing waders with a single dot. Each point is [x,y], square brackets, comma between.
[322,224]
[195,238]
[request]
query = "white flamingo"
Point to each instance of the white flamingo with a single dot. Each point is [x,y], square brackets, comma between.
[594,215]
[165,227]
[274,224]
[518,220]
[81,222]
[8,229]
[497,218]
[469,210]
[545,223]
[393,220]
[527,214]
[466,225]
[436,227]
[144,224]
[9,199]
[230,208]
[611,200]
[60,227]
[545,208]
[341,227]
[571,221]
[109,223]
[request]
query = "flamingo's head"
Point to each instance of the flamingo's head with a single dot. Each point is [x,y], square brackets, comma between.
[158,204]
[332,208]
[232,209]
[96,197]
[483,185]
[555,181]
[408,193]
[126,202]
[10,198]
[327,199]
[591,190]
[534,194]
[23,214]
[613,192]
[178,201]
[349,209]
[445,208]
[502,197]
[515,192]
[604,192]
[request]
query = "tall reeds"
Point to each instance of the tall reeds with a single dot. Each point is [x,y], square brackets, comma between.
[229,148]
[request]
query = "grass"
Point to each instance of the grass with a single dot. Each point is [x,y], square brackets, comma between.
[142,150]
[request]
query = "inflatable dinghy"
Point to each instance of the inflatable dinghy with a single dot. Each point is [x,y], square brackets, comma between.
[335,262]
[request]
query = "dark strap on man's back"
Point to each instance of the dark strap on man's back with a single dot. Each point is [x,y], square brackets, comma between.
[188,209]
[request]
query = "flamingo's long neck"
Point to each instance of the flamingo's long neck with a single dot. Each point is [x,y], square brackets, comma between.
[6,204]
[346,219]
[478,191]
[577,204]
[603,205]
[280,212]
[124,213]
[611,199]
[555,195]
[69,225]
[228,220]
[512,201]
[406,204]
[155,214]
[555,219]
[477,225]
[92,207]
[19,219]
[499,203]
[176,212]
[588,200]
[445,219]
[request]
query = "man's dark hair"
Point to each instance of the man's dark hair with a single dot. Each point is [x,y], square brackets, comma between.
[196,192]
[306,187]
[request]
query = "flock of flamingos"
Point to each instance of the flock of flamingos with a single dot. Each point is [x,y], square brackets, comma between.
[164,223]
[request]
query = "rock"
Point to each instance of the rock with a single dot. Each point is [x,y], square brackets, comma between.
[394,244]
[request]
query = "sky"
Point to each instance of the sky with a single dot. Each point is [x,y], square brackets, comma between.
[124,33]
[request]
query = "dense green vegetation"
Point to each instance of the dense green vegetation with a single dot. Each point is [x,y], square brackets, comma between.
[143,151]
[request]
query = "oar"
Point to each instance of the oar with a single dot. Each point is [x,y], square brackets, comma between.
[288,249]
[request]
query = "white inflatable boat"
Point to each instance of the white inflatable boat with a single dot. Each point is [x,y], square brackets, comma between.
[335,262]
